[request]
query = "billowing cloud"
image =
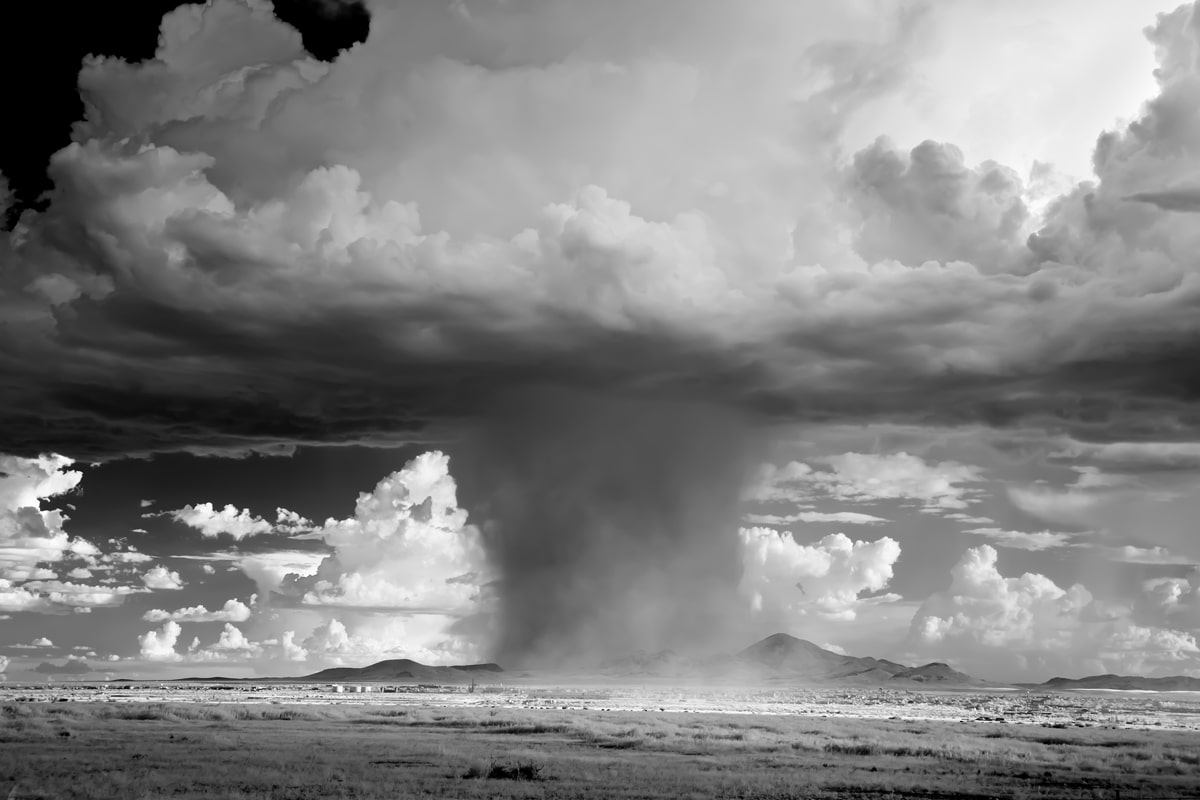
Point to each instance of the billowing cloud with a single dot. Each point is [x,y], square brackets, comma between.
[61,597]
[400,573]
[482,248]
[160,577]
[417,638]
[34,539]
[753,263]
[828,577]
[159,645]
[1178,598]
[407,548]
[927,205]
[233,611]
[31,536]
[213,522]
[988,609]
[988,624]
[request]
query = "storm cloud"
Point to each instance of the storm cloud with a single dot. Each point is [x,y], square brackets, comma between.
[248,247]
[594,251]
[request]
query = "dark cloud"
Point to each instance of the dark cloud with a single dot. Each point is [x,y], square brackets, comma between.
[1184,198]
[927,205]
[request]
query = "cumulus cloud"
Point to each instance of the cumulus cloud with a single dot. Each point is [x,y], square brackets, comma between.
[233,611]
[983,606]
[159,645]
[408,547]
[130,555]
[418,638]
[160,577]
[1179,598]
[928,205]
[32,537]
[232,646]
[42,641]
[829,577]
[213,522]
[59,597]
[287,647]
[988,623]
[407,550]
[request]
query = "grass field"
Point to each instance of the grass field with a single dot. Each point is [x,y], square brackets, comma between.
[130,751]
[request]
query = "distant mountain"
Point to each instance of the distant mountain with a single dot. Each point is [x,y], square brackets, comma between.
[777,659]
[934,672]
[399,670]
[783,657]
[1174,683]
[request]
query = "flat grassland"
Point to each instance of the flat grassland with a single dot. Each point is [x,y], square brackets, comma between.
[136,750]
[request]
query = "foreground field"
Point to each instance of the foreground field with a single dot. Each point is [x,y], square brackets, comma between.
[127,750]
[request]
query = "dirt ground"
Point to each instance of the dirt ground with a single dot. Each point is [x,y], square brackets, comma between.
[132,750]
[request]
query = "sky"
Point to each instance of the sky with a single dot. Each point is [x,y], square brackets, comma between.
[544,333]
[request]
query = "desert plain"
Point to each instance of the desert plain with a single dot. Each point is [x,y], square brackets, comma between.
[648,740]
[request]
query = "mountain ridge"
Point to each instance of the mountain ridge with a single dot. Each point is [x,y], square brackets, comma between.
[1168,683]
[776,659]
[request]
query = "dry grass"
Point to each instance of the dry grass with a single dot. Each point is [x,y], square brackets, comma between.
[96,750]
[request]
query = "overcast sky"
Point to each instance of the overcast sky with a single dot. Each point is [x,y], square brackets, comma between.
[548,331]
